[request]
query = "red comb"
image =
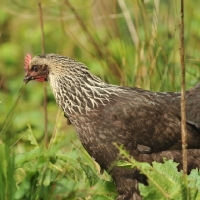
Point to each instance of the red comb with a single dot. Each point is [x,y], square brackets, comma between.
[27,60]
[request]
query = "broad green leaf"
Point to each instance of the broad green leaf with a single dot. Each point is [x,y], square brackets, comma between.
[31,137]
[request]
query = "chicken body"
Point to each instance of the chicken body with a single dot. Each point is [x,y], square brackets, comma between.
[146,123]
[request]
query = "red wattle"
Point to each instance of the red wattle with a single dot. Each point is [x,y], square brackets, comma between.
[41,79]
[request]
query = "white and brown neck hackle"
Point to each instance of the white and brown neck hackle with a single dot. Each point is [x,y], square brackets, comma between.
[76,90]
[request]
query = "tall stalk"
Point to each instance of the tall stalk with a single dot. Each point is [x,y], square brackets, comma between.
[44,84]
[183,107]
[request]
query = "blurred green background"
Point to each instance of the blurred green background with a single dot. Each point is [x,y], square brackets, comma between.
[126,42]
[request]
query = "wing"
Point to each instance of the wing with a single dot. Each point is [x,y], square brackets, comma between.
[142,118]
[193,106]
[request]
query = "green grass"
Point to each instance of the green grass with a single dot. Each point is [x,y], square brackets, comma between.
[98,35]
[62,171]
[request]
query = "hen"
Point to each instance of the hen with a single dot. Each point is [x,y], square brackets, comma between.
[146,123]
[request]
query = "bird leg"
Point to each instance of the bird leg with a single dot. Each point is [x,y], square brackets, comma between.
[126,181]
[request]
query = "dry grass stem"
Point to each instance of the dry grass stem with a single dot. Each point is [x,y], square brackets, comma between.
[44,84]
[183,106]
[129,22]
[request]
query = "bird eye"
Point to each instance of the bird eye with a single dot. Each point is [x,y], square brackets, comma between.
[35,68]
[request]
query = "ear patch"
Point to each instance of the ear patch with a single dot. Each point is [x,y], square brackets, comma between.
[27,60]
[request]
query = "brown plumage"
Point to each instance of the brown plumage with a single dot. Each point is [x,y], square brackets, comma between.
[146,123]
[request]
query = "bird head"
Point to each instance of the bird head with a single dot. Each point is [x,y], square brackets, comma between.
[36,68]
[39,67]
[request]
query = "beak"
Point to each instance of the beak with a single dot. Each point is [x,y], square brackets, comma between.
[27,79]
